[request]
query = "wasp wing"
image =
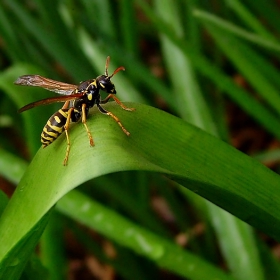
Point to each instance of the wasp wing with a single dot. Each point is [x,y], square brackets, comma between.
[46,83]
[49,101]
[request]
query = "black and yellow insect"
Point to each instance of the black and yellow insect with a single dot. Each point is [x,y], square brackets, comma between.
[78,100]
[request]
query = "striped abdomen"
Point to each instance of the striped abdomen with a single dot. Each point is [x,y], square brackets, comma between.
[54,127]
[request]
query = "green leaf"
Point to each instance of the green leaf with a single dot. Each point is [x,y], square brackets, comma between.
[223,82]
[160,250]
[158,142]
[34,120]
[229,27]
[246,59]
[248,18]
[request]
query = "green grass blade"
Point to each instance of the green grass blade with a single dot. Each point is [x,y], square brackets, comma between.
[194,109]
[34,120]
[242,255]
[161,251]
[8,36]
[128,21]
[224,83]
[15,169]
[3,201]
[52,248]
[249,19]
[104,16]
[247,67]
[68,58]
[267,10]
[235,30]
[187,155]
[12,265]
[186,91]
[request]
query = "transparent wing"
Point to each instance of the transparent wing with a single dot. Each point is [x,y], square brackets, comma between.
[49,84]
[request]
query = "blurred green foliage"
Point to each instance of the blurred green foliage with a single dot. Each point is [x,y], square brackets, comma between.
[190,58]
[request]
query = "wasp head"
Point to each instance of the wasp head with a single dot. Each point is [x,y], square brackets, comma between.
[104,81]
[106,84]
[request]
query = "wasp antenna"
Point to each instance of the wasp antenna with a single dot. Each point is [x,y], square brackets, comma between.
[107,65]
[121,68]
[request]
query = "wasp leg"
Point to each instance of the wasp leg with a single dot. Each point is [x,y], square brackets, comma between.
[102,110]
[66,127]
[66,105]
[84,121]
[117,100]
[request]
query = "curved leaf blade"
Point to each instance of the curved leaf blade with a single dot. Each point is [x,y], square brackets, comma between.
[158,142]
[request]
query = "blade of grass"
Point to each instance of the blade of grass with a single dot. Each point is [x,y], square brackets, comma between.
[244,34]
[265,67]
[249,19]
[52,248]
[190,102]
[247,67]
[50,42]
[268,156]
[126,264]
[3,200]
[128,24]
[104,15]
[178,267]
[9,37]
[34,119]
[12,168]
[188,155]
[224,83]
[267,10]
[164,253]
[127,203]
[200,116]
[242,255]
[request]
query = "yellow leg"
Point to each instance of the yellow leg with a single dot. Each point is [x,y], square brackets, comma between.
[66,127]
[119,123]
[84,121]
[118,101]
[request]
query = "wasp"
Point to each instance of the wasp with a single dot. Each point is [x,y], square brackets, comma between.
[78,100]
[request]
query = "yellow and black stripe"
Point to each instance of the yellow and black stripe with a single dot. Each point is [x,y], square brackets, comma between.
[54,127]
